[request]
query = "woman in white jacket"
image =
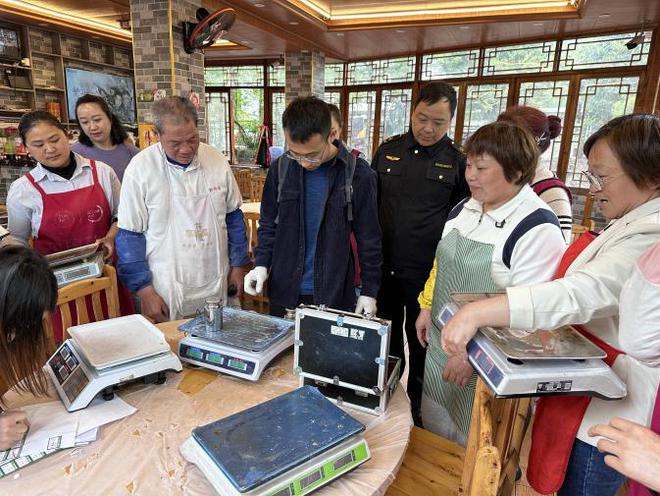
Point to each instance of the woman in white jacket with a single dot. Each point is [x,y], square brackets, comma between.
[624,173]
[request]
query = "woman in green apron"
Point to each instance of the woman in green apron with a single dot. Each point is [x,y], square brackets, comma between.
[504,235]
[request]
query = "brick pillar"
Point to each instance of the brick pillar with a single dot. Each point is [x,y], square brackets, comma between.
[305,74]
[157,49]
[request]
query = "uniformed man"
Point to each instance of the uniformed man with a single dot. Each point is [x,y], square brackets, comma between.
[421,176]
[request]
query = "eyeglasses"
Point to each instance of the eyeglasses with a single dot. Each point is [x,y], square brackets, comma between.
[313,158]
[597,183]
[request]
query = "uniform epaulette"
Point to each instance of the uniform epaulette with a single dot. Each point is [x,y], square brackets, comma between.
[458,148]
[396,137]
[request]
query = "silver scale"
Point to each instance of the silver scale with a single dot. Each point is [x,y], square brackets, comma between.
[560,361]
[76,264]
[244,347]
[291,445]
[104,354]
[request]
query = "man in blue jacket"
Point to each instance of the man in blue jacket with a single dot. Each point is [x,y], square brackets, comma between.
[315,195]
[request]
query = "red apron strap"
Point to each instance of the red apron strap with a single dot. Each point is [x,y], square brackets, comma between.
[35,184]
[95,175]
[573,251]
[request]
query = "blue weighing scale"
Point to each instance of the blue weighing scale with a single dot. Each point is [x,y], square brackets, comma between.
[557,361]
[246,345]
[289,446]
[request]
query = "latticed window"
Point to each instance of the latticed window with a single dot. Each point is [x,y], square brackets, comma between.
[334,74]
[381,71]
[249,75]
[395,112]
[276,75]
[518,59]
[333,97]
[217,110]
[603,51]
[483,103]
[599,100]
[248,117]
[278,106]
[450,65]
[361,113]
[550,97]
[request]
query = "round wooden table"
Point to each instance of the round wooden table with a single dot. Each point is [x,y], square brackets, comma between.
[140,454]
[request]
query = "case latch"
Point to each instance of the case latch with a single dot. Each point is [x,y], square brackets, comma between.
[379,360]
[382,331]
[335,380]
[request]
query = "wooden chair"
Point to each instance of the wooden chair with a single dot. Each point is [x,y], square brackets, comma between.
[487,467]
[251,226]
[243,178]
[257,185]
[77,292]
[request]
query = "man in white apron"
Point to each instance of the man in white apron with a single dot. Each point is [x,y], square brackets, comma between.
[181,232]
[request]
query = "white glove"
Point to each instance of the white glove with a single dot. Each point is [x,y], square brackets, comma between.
[253,283]
[366,305]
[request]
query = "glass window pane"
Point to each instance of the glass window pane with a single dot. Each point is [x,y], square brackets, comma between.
[248,116]
[450,64]
[381,71]
[395,112]
[333,97]
[250,75]
[334,74]
[452,127]
[278,109]
[603,51]
[217,110]
[551,98]
[599,100]
[276,75]
[483,103]
[530,57]
[361,114]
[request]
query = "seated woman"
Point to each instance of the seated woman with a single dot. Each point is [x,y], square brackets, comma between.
[505,235]
[66,201]
[102,137]
[624,174]
[551,189]
[28,290]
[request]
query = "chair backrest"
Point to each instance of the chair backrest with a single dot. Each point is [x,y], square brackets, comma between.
[492,456]
[76,293]
[251,226]
[243,178]
[257,184]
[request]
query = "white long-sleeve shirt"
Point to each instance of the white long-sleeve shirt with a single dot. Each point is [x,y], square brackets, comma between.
[589,294]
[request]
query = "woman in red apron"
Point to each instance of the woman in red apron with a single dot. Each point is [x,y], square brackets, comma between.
[66,201]
[624,177]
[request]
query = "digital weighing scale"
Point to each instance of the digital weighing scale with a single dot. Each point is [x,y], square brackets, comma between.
[289,446]
[108,353]
[76,264]
[244,347]
[560,361]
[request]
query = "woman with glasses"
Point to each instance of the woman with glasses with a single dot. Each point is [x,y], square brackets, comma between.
[28,290]
[624,173]
[549,187]
[504,235]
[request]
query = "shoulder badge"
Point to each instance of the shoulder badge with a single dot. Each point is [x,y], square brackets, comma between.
[394,138]
[458,148]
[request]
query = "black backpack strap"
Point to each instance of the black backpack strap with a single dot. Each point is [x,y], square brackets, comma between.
[348,186]
[282,168]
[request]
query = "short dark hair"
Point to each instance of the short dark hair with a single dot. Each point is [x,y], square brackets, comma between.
[336,113]
[543,127]
[27,289]
[117,132]
[432,93]
[512,146]
[305,117]
[635,140]
[31,119]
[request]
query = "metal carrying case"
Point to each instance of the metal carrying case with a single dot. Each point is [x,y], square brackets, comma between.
[346,356]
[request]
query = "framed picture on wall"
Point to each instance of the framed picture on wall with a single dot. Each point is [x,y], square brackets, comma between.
[117,91]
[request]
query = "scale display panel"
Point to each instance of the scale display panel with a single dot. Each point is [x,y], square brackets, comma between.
[257,445]
[68,371]
[216,359]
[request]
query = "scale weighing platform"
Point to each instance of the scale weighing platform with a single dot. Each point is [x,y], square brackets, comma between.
[289,446]
[245,346]
[76,264]
[515,363]
[104,354]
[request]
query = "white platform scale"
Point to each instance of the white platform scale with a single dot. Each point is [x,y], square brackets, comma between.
[298,481]
[515,366]
[244,349]
[77,264]
[108,353]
